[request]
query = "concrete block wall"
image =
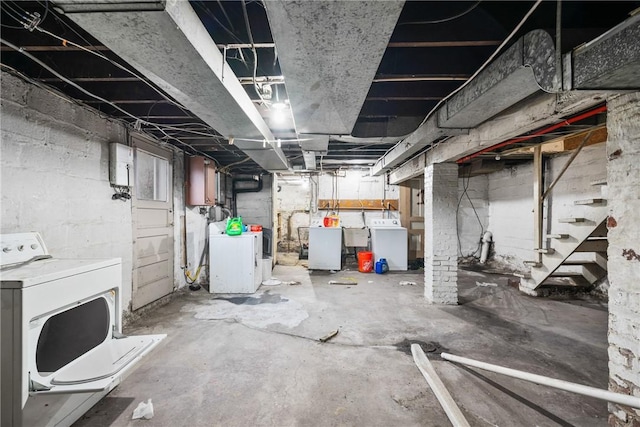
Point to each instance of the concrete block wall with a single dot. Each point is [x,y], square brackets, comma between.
[297,200]
[55,176]
[292,204]
[357,184]
[54,170]
[510,213]
[472,213]
[257,208]
[191,223]
[440,254]
[623,178]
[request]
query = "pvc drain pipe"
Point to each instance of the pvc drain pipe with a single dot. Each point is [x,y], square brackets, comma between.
[622,399]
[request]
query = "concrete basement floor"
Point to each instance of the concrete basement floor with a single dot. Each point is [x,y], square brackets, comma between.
[255,360]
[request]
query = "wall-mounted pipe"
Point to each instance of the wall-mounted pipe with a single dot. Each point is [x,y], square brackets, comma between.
[622,399]
[539,132]
[487,238]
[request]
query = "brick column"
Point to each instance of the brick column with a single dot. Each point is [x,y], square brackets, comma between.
[440,252]
[623,179]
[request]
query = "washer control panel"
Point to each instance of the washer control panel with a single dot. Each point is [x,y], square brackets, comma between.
[380,222]
[20,247]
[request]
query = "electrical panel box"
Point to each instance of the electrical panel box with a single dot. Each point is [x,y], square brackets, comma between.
[201,182]
[120,165]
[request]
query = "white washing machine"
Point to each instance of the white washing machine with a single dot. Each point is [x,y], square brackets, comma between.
[389,241]
[235,262]
[325,247]
[62,347]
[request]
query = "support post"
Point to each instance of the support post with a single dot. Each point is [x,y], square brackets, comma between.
[537,201]
[441,245]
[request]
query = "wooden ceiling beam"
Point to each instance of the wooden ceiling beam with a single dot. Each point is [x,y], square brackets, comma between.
[452,43]
[564,143]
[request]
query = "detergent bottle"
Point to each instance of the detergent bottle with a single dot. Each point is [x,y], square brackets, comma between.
[382,266]
[234,226]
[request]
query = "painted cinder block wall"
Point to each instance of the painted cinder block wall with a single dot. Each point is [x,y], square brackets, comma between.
[623,179]
[54,169]
[296,200]
[510,202]
[472,213]
[256,207]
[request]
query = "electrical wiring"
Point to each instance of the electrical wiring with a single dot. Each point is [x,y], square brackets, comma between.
[465,187]
[224,12]
[104,57]
[228,167]
[22,13]
[253,49]
[86,92]
[208,12]
[10,12]
[100,55]
[156,126]
[451,18]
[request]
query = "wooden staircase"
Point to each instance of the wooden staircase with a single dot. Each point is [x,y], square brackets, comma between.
[577,255]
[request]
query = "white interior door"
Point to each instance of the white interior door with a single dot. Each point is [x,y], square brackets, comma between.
[152,223]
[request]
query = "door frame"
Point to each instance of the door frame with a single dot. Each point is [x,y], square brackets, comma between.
[148,145]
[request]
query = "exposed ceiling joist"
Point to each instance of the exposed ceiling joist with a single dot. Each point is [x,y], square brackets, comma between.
[535,113]
[57,48]
[453,43]
[423,78]
[565,143]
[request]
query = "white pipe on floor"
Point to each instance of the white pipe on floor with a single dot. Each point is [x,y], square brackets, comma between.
[622,399]
[445,399]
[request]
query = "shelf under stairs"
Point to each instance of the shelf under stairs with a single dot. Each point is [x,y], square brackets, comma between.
[576,256]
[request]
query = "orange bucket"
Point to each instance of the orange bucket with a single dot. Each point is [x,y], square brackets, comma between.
[365,262]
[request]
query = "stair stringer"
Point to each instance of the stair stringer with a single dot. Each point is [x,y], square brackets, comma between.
[593,216]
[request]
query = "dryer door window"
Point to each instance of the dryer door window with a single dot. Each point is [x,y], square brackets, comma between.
[70,334]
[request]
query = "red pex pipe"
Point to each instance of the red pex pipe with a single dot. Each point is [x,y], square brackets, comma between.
[539,132]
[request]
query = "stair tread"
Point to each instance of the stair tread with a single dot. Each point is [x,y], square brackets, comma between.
[570,220]
[572,262]
[557,236]
[593,201]
[566,274]
[545,250]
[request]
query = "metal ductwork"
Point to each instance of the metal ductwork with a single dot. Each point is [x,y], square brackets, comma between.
[424,136]
[167,43]
[329,52]
[610,62]
[524,69]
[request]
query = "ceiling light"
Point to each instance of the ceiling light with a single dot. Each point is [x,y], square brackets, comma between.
[279,143]
[278,115]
